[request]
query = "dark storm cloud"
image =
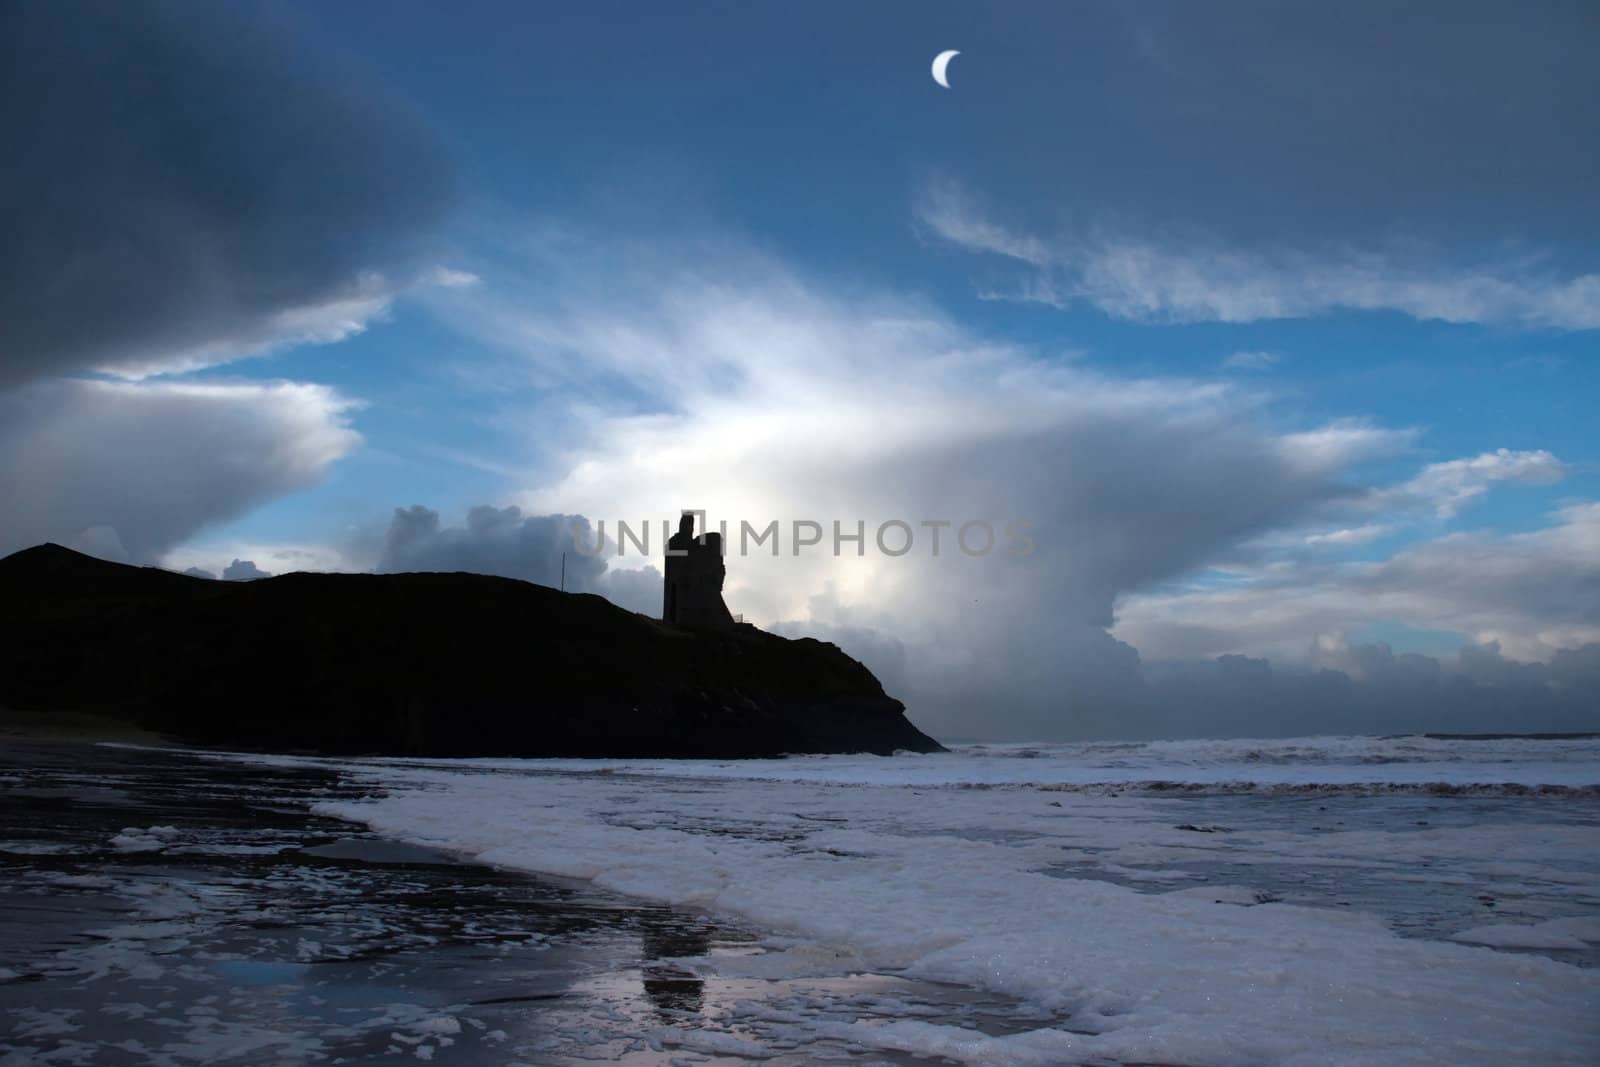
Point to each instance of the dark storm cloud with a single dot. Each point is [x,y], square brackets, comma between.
[1457,132]
[1368,110]
[505,542]
[1016,646]
[493,541]
[1114,499]
[180,182]
[1072,682]
[1019,648]
[1382,693]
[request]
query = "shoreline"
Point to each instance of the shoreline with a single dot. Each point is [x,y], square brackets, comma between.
[160,906]
[78,727]
[1417,912]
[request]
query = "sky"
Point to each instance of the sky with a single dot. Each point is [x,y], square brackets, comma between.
[1269,330]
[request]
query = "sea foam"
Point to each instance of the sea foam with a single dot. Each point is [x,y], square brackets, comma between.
[1100,907]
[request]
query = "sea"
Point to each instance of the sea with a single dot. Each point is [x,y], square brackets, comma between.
[1322,900]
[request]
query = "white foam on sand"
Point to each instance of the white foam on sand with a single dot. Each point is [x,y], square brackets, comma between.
[951,883]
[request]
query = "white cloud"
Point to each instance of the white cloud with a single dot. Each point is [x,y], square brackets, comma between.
[1531,593]
[742,388]
[275,557]
[1344,442]
[1251,361]
[1438,493]
[1449,487]
[450,278]
[153,463]
[738,387]
[775,401]
[1165,279]
[1350,535]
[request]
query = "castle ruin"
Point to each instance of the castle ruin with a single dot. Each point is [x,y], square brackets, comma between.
[692,593]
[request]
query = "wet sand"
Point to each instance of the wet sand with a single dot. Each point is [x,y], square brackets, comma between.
[165,907]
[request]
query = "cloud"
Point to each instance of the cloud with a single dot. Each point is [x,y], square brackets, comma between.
[904,415]
[206,559]
[1251,361]
[1335,117]
[1529,594]
[449,278]
[102,542]
[335,318]
[1371,689]
[138,468]
[1351,535]
[1332,153]
[554,550]
[1200,278]
[1437,494]
[637,589]
[740,387]
[736,385]
[243,570]
[1344,442]
[493,541]
[185,186]
[1448,487]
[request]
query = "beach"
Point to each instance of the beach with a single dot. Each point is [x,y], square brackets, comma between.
[162,907]
[1334,900]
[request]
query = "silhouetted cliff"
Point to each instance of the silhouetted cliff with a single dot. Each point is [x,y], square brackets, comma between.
[421,664]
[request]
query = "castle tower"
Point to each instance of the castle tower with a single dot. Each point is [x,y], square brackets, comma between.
[692,592]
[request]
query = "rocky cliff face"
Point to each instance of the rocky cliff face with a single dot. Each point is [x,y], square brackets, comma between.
[419,664]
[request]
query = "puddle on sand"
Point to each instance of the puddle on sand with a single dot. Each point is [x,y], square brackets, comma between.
[231,925]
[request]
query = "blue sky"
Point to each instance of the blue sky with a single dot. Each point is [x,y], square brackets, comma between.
[811,135]
[811,132]
[1253,309]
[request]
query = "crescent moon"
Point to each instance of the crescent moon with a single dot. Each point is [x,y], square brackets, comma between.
[941,66]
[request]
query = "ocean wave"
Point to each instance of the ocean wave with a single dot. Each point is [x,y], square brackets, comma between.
[1438,789]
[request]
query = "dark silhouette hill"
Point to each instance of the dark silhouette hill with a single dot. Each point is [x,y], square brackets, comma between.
[419,664]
